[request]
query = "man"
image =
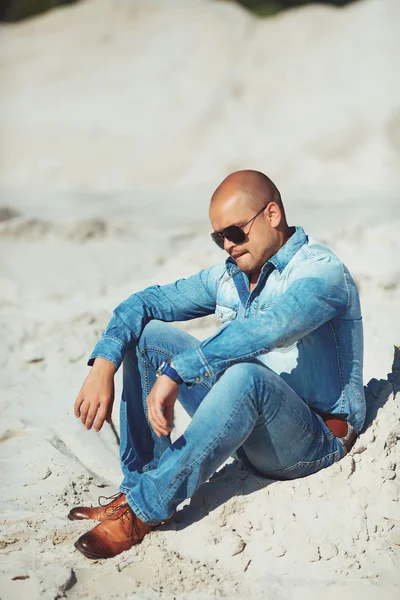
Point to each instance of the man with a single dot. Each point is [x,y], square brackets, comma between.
[280,382]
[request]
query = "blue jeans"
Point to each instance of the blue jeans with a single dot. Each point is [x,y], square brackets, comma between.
[248,407]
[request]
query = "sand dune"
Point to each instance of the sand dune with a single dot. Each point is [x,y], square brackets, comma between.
[310,93]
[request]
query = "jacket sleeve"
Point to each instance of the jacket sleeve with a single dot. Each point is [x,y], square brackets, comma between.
[179,301]
[317,293]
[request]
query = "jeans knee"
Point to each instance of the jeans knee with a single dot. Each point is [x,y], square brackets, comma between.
[153,334]
[242,378]
[251,379]
[151,337]
[244,372]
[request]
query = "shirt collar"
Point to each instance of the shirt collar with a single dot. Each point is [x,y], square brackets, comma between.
[282,257]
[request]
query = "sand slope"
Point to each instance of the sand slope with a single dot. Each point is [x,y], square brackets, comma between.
[108,159]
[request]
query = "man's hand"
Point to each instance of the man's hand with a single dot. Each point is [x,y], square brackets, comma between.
[162,396]
[96,397]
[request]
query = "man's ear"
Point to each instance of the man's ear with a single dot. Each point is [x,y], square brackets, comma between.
[274,214]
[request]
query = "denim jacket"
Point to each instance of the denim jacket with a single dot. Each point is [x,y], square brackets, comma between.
[302,320]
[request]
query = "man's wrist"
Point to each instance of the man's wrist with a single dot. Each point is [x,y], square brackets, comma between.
[167,369]
[104,364]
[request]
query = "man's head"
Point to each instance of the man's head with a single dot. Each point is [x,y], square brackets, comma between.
[237,200]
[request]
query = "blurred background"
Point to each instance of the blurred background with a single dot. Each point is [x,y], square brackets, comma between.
[14,10]
[118,119]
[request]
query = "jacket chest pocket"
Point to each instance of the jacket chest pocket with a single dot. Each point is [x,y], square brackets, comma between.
[225,313]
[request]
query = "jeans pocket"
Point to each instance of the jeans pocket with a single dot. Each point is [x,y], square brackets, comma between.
[303,468]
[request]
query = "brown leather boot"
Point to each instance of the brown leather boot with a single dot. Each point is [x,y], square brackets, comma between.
[119,533]
[98,513]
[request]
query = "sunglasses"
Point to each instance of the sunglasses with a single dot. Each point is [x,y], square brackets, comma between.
[233,233]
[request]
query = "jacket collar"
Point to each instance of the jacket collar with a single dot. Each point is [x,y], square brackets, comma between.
[281,258]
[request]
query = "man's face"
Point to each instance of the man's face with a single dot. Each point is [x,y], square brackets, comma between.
[261,237]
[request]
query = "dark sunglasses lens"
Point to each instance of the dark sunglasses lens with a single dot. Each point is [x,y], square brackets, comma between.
[218,239]
[234,234]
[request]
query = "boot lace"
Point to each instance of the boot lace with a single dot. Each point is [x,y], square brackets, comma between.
[126,516]
[111,510]
[110,498]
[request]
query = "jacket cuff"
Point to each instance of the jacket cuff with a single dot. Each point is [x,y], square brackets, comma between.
[192,366]
[109,348]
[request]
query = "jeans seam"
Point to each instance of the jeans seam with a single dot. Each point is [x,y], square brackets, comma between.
[146,362]
[111,337]
[154,349]
[147,435]
[206,385]
[347,288]
[205,362]
[339,359]
[334,454]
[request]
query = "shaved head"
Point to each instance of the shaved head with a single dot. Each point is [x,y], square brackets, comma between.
[252,187]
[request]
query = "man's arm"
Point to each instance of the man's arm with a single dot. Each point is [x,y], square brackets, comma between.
[182,300]
[185,299]
[317,294]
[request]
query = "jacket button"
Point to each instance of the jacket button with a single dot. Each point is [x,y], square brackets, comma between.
[197,379]
[206,374]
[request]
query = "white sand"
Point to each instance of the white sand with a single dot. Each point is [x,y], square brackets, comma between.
[117,121]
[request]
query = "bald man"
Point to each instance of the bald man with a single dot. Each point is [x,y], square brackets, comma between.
[280,383]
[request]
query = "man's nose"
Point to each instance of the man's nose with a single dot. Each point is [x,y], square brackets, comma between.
[228,246]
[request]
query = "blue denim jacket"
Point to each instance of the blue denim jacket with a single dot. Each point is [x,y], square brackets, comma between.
[302,320]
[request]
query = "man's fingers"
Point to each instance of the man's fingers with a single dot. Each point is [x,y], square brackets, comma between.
[154,424]
[160,406]
[159,418]
[91,415]
[154,420]
[109,412]
[160,429]
[101,416]
[151,413]
[77,405]
[168,416]
[84,410]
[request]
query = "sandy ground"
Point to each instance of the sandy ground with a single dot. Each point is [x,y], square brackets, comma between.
[73,245]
